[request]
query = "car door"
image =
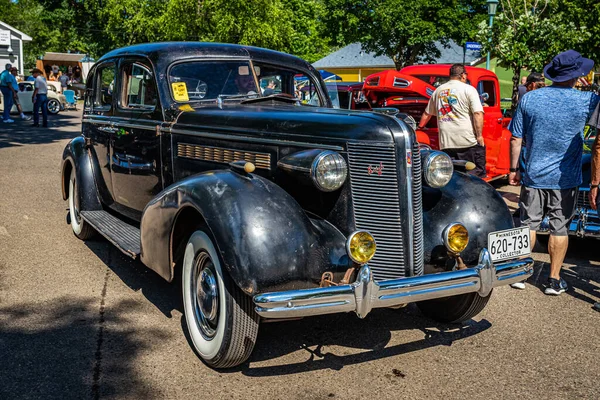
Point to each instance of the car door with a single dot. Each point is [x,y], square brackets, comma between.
[135,156]
[492,119]
[97,123]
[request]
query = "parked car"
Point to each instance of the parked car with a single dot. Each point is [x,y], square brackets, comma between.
[409,91]
[268,208]
[56,102]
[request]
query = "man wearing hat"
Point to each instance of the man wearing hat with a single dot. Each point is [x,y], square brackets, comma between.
[7,93]
[534,80]
[40,98]
[548,127]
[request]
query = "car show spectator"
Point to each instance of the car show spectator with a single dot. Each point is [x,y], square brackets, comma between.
[460,119]
[522,88]
[534,80]
[552,157]
[64,81]
[7,93]
[40,98]
[15,86]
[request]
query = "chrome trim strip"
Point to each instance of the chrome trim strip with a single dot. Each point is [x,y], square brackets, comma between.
[410,200]
[365,294]
[151,124]
[252,139]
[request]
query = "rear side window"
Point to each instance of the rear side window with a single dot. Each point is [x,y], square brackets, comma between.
[105,86]
[139,87]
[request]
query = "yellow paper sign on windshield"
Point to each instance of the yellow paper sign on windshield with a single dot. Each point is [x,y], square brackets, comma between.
[180,91]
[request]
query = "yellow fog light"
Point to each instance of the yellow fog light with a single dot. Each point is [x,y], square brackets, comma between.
[456,237]
[361,247]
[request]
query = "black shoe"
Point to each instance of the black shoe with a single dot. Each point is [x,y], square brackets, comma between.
[36,125]
[45,125]
[556,287]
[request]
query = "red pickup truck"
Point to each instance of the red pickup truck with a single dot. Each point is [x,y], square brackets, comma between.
[409,91]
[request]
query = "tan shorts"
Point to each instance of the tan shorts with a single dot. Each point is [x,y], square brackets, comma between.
[16,100]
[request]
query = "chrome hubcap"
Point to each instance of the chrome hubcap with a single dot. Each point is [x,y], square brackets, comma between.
[53,106]
[205,288]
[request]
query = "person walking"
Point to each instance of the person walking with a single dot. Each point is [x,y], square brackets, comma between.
[40,98]
[460,119]
[549,123]
[15,85]
[7,93]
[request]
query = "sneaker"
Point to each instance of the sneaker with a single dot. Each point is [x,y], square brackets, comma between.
[26,118]
[556,287]
[8,121]
[518,285]
[36,125]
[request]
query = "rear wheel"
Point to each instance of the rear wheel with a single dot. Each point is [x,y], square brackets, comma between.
[454,309]
[81,229]
[220,317]
[53,106]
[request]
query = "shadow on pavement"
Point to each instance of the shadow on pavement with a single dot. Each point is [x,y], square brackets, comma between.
[22,133]
[54,350]
[372,334]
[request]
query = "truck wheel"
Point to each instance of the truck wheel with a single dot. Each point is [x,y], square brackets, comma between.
[220,317]
[454,309]
[81,229]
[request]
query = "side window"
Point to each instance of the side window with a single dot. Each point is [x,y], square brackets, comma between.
[139,87]
[270,85]
[105,85]
[487,92]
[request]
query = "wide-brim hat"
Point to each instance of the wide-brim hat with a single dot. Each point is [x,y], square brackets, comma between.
[568,65]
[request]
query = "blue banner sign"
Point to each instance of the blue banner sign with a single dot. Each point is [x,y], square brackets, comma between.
[473,46]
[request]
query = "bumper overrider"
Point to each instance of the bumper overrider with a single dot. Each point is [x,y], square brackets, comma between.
[365,294]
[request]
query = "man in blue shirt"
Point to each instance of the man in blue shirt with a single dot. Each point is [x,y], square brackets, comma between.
[7,93]
[548,125]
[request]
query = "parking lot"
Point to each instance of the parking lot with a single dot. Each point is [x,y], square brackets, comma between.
[80,320]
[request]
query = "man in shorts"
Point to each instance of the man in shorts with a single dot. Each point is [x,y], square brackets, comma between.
[15,85]
[594,122]
[548,128]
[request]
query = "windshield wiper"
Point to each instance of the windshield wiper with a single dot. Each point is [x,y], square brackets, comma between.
[284,97]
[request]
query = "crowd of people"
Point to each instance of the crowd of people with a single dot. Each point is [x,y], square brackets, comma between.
[546,146]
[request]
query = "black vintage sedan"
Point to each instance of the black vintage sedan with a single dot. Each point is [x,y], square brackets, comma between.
[269,208]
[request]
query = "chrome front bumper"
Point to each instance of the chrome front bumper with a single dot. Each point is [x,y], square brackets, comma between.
[365,294]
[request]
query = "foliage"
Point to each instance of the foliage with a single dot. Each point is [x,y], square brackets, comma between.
[404,30]
[529,34]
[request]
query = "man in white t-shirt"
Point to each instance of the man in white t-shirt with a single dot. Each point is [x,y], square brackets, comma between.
[40,98]
[459,113]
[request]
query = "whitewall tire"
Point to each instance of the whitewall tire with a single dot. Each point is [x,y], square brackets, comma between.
[220,317]
[81,229]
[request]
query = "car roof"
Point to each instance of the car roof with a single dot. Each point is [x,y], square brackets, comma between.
[169,52]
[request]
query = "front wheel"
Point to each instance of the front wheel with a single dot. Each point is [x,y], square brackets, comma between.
[220,317]
[454,309]
[53,106]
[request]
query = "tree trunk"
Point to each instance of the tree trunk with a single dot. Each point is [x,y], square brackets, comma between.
[515,92]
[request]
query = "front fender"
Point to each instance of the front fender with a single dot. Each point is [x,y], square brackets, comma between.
[265,239]
[76,155]
[470,201]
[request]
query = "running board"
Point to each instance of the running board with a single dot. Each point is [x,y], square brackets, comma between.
[123,235]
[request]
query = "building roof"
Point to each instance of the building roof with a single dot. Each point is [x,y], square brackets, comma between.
[353,56]
[64,57]
[16,32]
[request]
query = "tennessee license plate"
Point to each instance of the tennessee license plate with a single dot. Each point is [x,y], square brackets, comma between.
[511,243]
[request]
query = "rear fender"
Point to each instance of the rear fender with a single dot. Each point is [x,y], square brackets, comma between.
[76,155]
[265,239]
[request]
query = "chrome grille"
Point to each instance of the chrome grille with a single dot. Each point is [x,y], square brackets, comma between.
[417,211]
[223,155]
[375,198]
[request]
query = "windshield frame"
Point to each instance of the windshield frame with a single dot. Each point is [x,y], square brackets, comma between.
[323,95]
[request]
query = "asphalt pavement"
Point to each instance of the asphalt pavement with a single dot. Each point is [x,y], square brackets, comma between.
[79,320]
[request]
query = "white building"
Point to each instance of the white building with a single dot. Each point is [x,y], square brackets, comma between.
[11,46]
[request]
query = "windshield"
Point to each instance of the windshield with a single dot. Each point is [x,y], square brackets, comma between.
[205,82]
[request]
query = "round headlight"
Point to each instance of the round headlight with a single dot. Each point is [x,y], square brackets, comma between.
[456,237]
[329,171]
[361,247]
[438,169]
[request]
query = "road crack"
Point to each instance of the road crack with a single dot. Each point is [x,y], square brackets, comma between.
[100,339]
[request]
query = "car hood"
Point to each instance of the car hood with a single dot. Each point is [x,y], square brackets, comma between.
[291,122]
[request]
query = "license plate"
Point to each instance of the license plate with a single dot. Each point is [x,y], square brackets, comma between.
[511,243]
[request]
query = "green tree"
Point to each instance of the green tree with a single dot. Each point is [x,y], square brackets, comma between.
[528,34]
[404,30]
